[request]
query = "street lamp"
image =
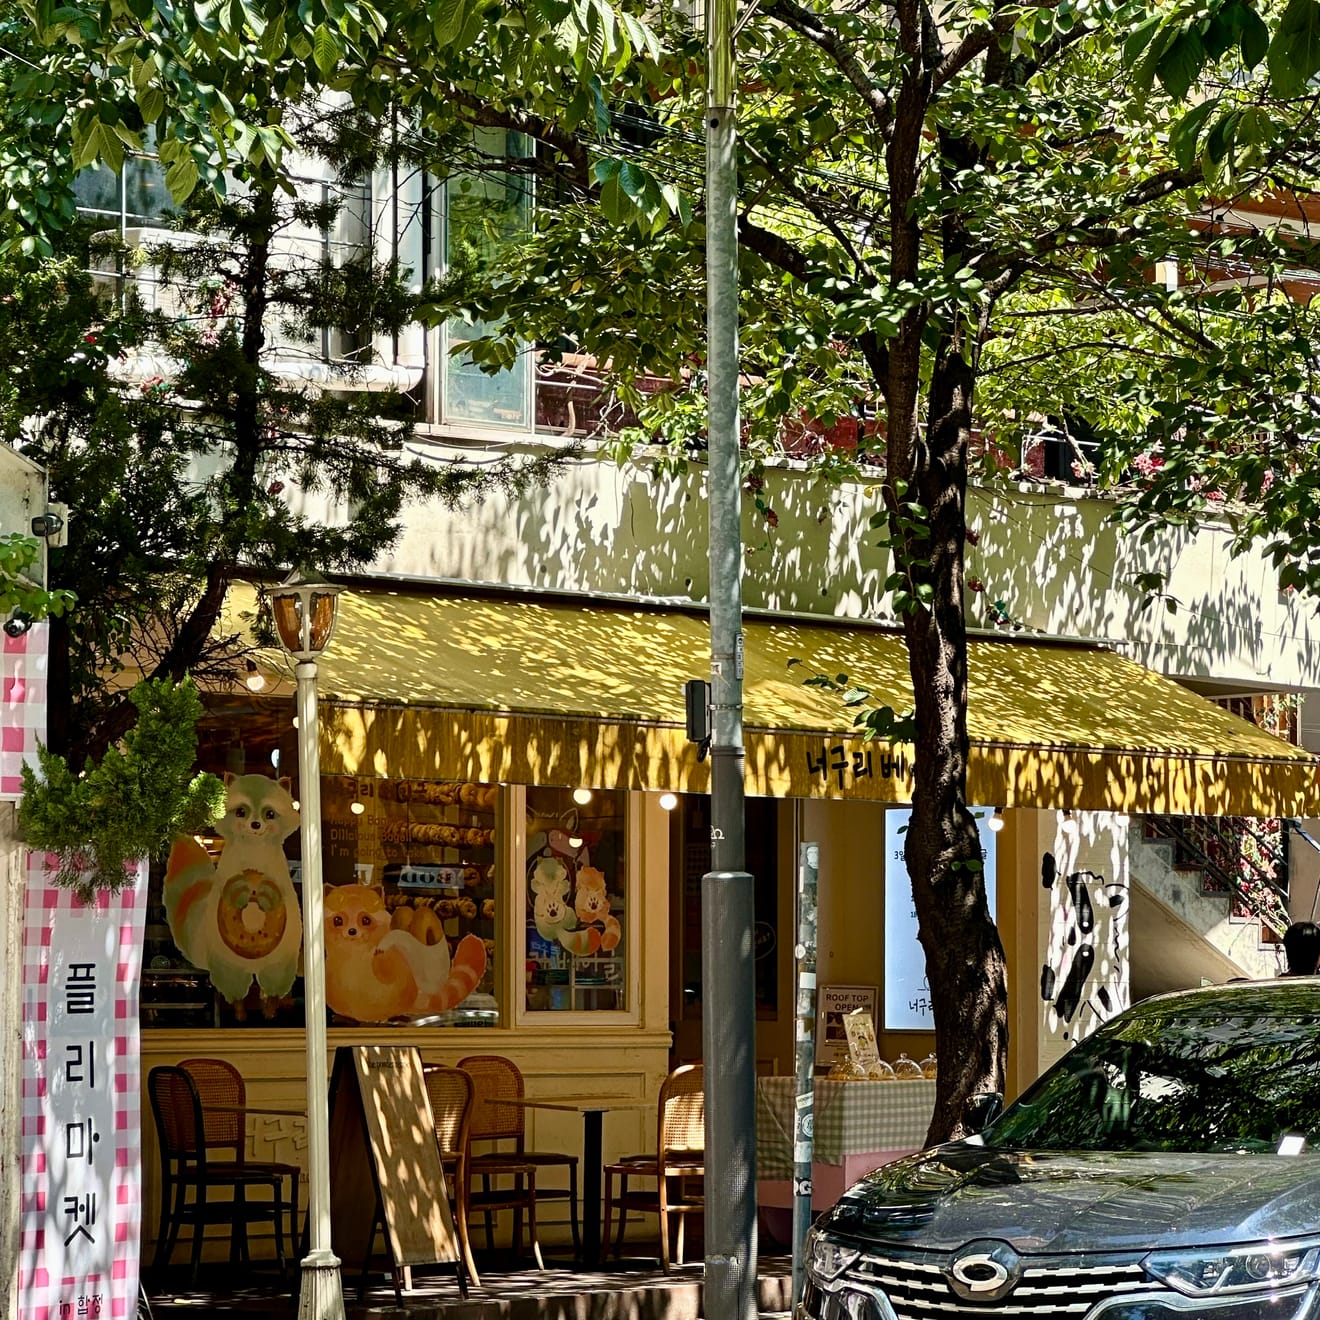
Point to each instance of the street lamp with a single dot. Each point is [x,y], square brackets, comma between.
[305,618]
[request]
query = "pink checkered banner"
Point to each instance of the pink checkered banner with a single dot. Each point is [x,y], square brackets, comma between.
[22,704]
[82,1105]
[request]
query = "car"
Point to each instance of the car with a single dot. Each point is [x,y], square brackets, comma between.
[1166,1168]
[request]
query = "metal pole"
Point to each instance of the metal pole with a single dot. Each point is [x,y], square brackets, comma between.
[322,1295]
[728,906]
[805,1050]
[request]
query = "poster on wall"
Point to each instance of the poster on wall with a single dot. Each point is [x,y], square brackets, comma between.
[81,1206]
[907,992]
[836,1003]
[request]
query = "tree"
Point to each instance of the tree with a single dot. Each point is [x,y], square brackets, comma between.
[919,184]
[942,206]
[220,463]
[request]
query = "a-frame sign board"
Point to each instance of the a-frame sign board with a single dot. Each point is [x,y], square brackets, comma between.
[385,1165]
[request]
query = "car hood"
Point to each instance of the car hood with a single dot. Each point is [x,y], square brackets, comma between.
[1055,1201]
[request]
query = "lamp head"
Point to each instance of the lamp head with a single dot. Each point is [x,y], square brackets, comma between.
[997,820]
[304,612]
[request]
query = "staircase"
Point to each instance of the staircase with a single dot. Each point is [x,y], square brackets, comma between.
[1209,900]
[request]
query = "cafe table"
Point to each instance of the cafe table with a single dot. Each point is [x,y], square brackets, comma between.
[857,1127]
[593,1109]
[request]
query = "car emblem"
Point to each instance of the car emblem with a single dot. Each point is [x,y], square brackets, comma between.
[984,1271]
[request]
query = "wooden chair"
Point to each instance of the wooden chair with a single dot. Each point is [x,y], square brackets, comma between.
[189,1175]
[450,1092]
[496,1078]
[678,1162]
[220,1084]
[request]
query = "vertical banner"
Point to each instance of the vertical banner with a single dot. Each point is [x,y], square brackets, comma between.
[82,1121]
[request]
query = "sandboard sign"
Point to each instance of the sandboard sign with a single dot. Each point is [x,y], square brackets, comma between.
[385,1164]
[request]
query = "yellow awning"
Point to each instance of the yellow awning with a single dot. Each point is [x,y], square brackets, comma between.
[552,691]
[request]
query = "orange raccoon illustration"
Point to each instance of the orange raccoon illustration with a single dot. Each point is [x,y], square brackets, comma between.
[374,972]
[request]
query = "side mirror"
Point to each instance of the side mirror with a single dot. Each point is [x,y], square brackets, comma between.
[985,1107]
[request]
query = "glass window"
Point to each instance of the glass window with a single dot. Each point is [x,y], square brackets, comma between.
[409,869]
[1230,1072]
[576,900]
[135,196]
[410,927]
[484,211]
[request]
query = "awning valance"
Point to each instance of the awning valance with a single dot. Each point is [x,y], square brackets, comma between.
[548,690]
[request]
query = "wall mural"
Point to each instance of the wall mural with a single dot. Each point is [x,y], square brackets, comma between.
[1084,979]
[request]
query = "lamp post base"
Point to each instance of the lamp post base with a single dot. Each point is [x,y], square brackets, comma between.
[322,1294]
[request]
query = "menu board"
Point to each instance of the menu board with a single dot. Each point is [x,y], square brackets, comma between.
[907,992]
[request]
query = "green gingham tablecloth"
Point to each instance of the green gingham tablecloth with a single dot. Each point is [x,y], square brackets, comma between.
[849,1118]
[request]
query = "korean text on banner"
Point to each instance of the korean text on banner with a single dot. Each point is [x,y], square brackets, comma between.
[82,1120]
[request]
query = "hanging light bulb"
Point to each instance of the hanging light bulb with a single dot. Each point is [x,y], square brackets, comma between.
[668,801]
[1069,826]
[357,808]
[997,820]
[582,796]
[255,680]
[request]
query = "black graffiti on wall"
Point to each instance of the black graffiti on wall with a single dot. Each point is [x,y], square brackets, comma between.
[1083,964]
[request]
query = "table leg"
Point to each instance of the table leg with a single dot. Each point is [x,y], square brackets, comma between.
[592,1163]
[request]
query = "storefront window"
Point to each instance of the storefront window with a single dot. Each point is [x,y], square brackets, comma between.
[410,873]
[410,916]
[575,896]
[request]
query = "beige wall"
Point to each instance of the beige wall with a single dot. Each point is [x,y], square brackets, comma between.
[1051,555]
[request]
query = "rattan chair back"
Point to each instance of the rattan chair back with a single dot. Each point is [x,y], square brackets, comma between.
[178,1113]
[682,1115]
[218,1082]
[450,1091]
[494,1078]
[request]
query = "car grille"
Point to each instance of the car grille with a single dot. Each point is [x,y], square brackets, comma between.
[916,1289]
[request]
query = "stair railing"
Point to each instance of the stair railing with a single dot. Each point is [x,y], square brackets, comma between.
[1246,857]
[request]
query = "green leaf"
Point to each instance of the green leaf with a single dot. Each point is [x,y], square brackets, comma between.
[1181,64]
[181,178]
[447,21]
[1255,39]
[1186,133]
[151,104]
[1294,52]
[326,50]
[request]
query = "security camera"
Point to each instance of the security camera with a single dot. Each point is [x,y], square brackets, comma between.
[47,524]
[17,624]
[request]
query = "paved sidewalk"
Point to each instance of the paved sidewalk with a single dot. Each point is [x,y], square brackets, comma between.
[517,1294]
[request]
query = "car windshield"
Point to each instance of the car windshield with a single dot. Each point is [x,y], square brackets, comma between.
[1234,1071]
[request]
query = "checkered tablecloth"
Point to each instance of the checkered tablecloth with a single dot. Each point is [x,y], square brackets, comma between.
[849,1118]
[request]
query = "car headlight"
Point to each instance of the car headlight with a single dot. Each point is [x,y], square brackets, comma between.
[827,1259]
[1261,1266]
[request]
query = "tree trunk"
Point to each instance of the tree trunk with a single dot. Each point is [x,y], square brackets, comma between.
[964,957]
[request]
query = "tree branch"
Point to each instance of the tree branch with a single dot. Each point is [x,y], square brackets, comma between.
[807,24]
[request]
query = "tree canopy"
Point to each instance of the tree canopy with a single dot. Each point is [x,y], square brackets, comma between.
[951,219]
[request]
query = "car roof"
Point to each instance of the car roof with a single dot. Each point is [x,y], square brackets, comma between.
[1278,994]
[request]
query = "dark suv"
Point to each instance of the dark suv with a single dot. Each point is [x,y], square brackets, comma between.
[1168,1168]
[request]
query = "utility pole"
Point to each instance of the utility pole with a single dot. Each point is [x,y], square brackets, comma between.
[728,909]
